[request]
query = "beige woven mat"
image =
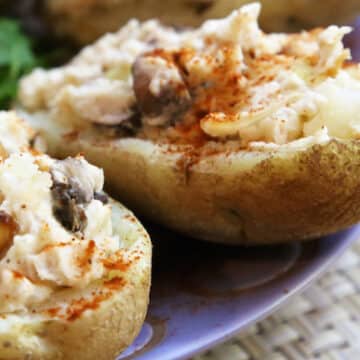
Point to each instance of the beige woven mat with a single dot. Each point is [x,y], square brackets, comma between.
[321,323]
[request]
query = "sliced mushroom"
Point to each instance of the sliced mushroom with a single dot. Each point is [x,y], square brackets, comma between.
[132,124]
[161,93]
[66,207]
[74,184]
[101,196]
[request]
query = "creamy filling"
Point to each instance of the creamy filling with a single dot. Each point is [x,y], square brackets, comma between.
[55,223]
[224,81]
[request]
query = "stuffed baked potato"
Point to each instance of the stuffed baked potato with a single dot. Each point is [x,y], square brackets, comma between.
[75,265]
[223,133]
[86,20]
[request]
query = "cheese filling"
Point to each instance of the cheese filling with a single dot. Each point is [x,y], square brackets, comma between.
[55,223]
[226,80]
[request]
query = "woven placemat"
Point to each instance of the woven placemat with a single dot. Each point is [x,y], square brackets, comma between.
[321,323]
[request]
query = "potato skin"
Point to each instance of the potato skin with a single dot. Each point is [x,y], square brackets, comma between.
[101,333]
[244,197]
[86,20]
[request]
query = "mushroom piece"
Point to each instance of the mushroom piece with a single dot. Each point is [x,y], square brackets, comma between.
[66,207]
[75,184]
[161,93]
[101,196]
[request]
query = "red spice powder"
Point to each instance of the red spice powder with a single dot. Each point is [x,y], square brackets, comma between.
[77,307]
[130,217]
[115,283]
[53,311]
[17,275]
[52,246]
[84,261]
[34,152]
[116,264]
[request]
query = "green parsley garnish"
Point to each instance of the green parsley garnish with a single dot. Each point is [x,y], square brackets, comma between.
[16,59]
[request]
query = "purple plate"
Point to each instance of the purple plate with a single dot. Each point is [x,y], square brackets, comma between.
[203,294]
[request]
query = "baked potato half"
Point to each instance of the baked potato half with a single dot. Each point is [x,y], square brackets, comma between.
[75,265]
[223,133]
[86,20]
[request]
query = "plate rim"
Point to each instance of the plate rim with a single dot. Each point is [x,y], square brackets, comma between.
[302,280]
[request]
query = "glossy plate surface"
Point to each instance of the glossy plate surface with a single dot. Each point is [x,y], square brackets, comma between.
[203,293]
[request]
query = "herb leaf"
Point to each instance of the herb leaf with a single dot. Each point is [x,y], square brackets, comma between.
[16,59]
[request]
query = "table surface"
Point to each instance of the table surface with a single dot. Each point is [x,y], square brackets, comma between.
[321,323]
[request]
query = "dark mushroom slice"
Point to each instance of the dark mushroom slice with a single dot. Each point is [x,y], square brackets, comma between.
[131,125]
[66,208]
[72,189]
[161,93]
[101,196]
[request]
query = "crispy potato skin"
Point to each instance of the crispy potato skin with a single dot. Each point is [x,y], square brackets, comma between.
[248,197]
[97,334]
[86,20]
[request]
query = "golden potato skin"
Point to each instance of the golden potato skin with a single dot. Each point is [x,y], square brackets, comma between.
[244,197]
[86,20]
[100,333]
